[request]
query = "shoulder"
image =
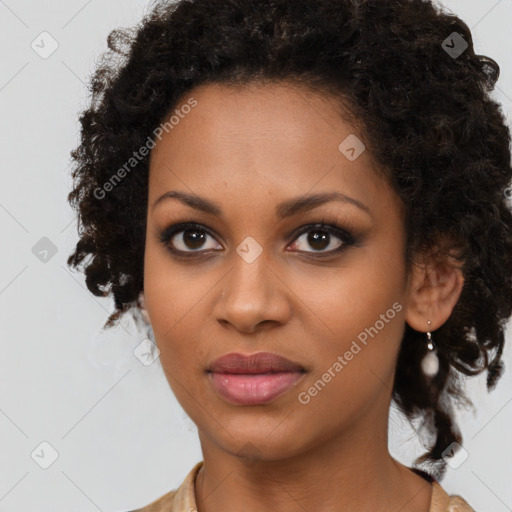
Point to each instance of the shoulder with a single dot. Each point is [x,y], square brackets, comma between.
[443,502]
[163,504]
[458,504]
[181,499]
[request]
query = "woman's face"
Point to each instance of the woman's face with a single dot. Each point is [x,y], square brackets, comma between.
[253,277]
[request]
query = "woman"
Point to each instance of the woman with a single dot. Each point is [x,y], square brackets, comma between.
[306,201]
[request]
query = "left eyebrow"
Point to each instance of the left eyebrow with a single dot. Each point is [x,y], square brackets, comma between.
[305,203]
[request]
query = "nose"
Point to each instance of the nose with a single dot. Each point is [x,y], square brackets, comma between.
[253,296]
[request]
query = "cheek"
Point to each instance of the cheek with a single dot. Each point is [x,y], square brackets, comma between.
[347,299]
[360,319]
[170,290]
[165,293]
[178,298]
[354,365]
[176,322]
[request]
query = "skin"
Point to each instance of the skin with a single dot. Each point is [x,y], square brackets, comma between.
[247,149]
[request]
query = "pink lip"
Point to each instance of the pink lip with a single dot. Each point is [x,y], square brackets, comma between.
[254,388]
[254,379]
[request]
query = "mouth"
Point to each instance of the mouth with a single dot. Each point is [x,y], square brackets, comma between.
[255,379]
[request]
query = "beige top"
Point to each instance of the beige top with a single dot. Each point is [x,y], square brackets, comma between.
[183,498]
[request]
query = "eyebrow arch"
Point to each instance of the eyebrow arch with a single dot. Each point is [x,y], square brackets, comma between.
[285,209]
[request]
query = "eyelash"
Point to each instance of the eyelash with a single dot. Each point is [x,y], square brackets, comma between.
[344,235]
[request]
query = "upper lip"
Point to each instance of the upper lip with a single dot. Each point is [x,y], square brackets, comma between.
[261,362]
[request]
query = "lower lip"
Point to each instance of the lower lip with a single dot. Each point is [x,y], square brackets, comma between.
[252,389]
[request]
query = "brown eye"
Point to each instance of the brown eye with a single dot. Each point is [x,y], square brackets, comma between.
[320,240]
[191,239]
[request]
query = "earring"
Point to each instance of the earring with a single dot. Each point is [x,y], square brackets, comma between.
[430,363]
[143,310]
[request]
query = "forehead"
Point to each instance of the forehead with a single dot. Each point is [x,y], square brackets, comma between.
[255,113]
[270,139]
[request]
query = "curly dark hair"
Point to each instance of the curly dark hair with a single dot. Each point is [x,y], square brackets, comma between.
[428,121]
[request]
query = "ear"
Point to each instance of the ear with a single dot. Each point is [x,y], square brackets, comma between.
[434,288]
[142,307]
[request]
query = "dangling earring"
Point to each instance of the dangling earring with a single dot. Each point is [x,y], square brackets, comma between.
[430,363]
[143,310]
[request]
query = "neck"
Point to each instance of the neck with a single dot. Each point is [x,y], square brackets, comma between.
[350,471]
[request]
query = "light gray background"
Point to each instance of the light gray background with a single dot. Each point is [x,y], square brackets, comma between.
[122,439]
